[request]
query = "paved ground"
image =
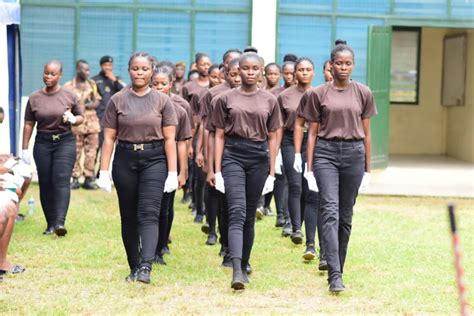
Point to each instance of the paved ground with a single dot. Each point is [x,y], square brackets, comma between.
[424,176]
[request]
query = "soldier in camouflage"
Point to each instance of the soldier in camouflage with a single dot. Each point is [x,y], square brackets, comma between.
[87,134]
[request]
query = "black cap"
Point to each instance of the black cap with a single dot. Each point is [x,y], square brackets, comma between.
[106,59]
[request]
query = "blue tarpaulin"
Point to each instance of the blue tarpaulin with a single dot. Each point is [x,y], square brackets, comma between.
[10,16]
[14,79]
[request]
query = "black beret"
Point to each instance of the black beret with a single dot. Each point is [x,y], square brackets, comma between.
[106,59]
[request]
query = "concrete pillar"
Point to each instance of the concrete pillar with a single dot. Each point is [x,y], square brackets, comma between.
[264,28]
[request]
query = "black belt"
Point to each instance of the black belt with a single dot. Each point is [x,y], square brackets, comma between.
[140,146]
[335,139]
[53,137]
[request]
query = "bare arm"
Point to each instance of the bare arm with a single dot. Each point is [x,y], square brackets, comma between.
[298,133]
[27,131]
[311,145]
[279,137]
[93,104]
[199,146]
[169,133]
[79,120]
[273,148]
[205,141]
[190,148]
[210,159]
[367,143]
[182,162]
[219,149]
[110,135]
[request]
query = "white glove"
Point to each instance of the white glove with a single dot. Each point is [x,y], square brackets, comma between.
[297,163]
[312,185]
[278,163]
[171,182]
[70,117]
[269,183]
[364,185]
[104,182]
[26,156]
[219,182]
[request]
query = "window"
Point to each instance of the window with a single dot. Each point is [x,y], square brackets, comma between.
[405,65]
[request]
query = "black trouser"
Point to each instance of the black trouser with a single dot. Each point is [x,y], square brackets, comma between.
[189,181]
[338,167]
[139,178]
[198,183]
[245,167]
[199,189]
[166,220]
[308,202]
[223,219]
[267,198]
[54,162]
[216,207]
[213,203]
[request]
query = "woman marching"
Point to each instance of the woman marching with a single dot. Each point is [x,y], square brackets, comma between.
[212,195]
[300,199]
[163,81]
[312,215]
[143,121]
[246,120]
[54,110]
[339,112]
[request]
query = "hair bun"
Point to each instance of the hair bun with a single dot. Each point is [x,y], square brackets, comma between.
[340,42]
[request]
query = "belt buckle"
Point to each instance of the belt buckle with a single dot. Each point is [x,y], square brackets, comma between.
[56,137]
[137,147]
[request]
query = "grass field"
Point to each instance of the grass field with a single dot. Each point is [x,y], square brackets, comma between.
[399,261]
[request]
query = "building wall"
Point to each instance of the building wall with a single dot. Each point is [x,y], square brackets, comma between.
[429,128]
[460,119]
[420,129]
[170,30]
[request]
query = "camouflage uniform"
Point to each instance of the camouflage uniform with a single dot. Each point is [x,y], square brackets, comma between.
[87,134]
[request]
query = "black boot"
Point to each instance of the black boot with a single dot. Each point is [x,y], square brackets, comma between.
[244,265]
[60,230]
[297,237]
[143,275]
[159,259]
[75,183]
[89,184]
[238,282]
[211,239]
[336,285]
[280,221]
[186,195]
[49,230]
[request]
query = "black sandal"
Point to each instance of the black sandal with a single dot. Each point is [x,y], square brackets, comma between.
[15,270]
